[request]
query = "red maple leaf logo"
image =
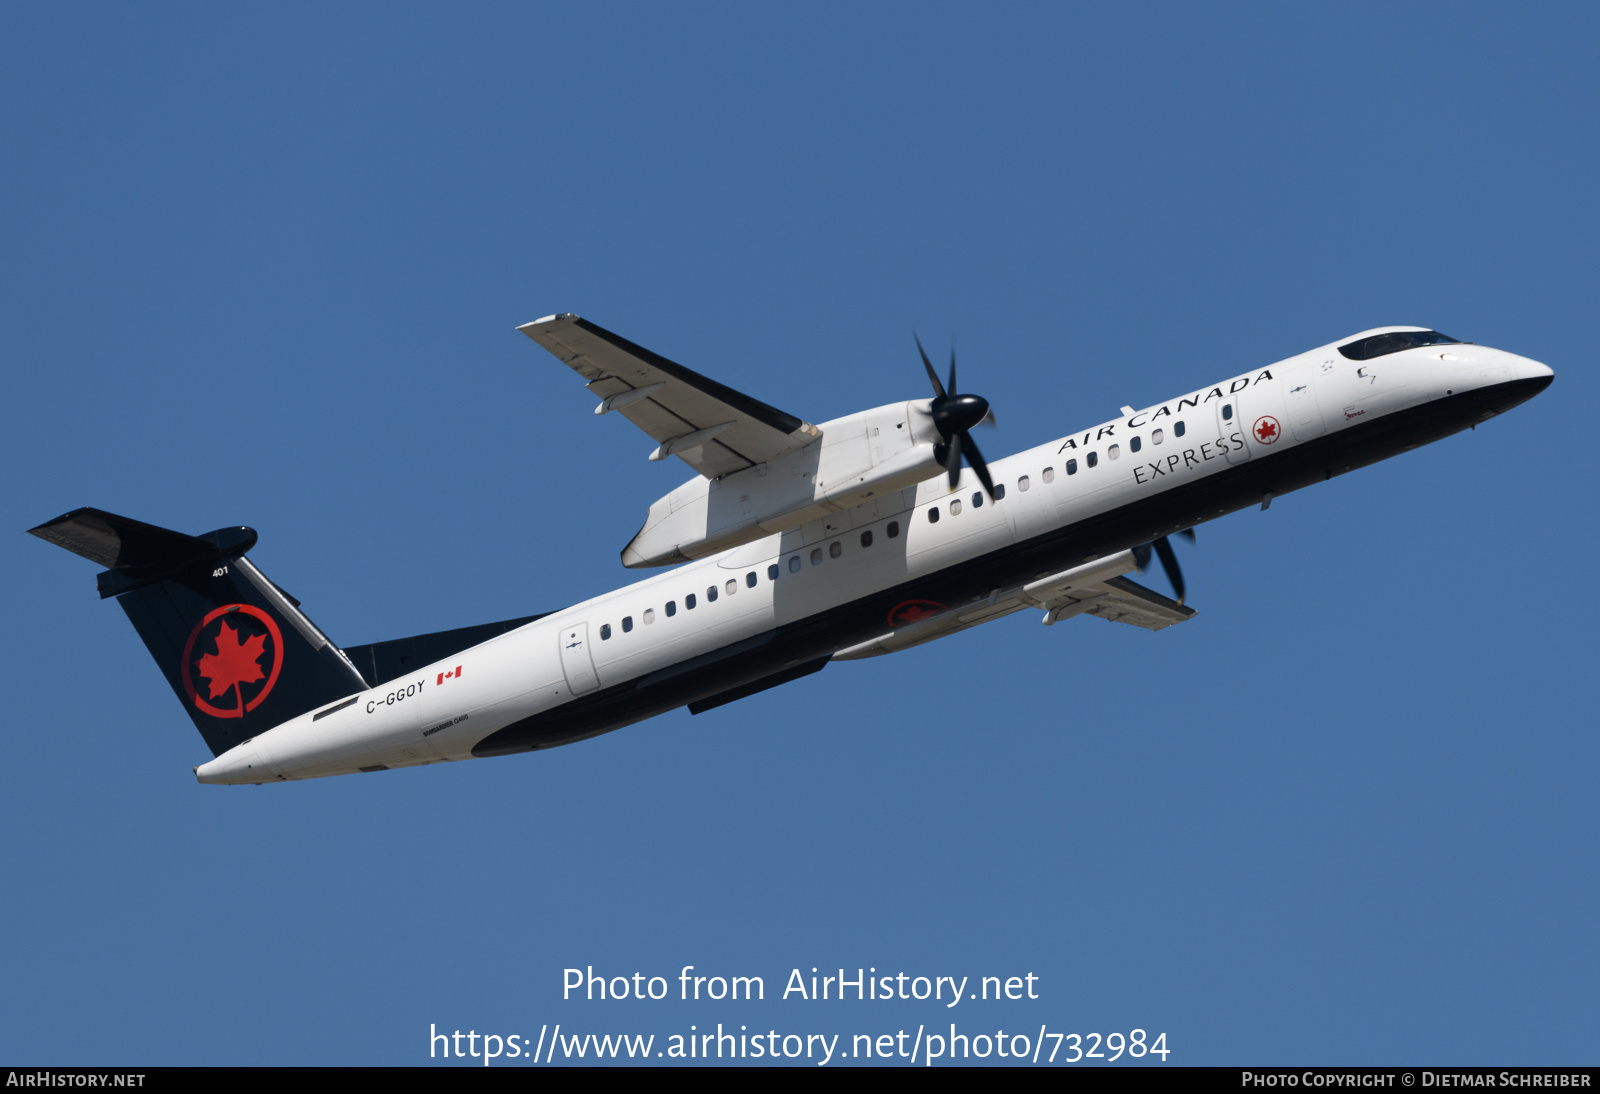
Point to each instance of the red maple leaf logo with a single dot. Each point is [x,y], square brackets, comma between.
[1266,429]
[913,611]
[233,664]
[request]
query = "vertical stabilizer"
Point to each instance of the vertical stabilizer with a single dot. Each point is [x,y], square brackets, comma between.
[236,649]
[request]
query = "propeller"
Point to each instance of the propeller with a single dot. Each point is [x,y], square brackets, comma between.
[1169,559]
[953,416]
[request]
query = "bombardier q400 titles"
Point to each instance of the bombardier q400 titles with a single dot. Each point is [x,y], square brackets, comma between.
[795,545]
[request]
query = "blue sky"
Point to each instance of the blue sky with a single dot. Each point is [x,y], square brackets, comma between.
[264,266]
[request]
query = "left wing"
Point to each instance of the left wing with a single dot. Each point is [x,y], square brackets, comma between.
[1095,588]
[708,426]
[1117,600]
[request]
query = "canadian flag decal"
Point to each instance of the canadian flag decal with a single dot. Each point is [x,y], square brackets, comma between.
[454,673]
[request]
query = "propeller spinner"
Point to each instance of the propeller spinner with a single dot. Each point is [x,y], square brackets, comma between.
[953,416]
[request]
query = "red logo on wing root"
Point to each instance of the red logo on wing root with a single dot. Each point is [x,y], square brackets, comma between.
[912,611]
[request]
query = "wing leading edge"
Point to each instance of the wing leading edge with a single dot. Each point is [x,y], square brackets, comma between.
[709,426]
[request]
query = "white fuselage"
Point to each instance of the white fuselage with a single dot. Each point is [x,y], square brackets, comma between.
[620,638]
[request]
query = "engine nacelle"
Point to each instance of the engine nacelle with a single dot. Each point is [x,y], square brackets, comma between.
[859,456]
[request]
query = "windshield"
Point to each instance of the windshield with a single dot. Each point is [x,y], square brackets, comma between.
[1365,349]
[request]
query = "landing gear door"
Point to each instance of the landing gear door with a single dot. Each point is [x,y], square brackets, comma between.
[577,663]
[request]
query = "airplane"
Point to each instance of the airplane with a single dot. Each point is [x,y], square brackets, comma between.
[794,545]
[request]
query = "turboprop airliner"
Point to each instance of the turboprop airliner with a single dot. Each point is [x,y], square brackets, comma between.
[794,545]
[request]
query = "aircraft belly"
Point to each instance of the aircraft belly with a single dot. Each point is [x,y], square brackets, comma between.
[1112,527]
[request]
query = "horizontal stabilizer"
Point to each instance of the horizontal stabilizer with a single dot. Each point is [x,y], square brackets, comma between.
[134,549]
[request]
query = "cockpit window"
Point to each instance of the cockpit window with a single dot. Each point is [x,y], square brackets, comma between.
[1365,349]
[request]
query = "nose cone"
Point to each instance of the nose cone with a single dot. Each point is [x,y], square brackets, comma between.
[1512,380]
[1528,369]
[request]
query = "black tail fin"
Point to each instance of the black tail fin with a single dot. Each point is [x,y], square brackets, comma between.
[236,649]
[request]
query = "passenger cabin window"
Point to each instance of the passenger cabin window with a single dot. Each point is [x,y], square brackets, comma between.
[1365,349]
[999,491]
[1092,458]
[649,616]
[1072,467]
[772,572]
[731,586]
[816,556]
[866,538]
[933,515]
[893,530]
[1156,436]
[1177,429]
[1133,444]
[1227,412]
[977,501]
[835,549]
[1022,484]
[711,594]
[627,624]
[794,564]
[750,579]
[1114,451]
[955,508]
[672,608]
[1049,474]
[605,631]
[688,602]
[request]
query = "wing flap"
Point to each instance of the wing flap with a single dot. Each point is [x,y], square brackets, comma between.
[682,404]
[1118,600]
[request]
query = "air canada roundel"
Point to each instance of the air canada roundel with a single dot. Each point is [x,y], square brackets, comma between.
[232,660]
[911,611]
[1267,430]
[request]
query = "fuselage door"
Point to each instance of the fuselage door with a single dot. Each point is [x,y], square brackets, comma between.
[1231,429]
[1300,396]
[576,660]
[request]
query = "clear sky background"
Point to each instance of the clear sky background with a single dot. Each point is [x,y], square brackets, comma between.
[263,265]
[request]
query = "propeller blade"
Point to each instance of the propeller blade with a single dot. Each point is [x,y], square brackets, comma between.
[952,460]
[1141,557]
[1169,563]
[938,388]
[975,458]
[953,388]
[1188,534]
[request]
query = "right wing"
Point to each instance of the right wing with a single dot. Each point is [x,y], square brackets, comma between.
[712,428]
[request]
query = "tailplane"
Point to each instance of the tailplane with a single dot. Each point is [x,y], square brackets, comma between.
[236,649]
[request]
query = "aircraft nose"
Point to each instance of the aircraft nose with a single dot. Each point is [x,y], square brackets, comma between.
[1535,370]
[1529,376]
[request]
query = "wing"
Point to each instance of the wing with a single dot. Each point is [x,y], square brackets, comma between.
[1095,588]
[712,428]
[1118,600]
